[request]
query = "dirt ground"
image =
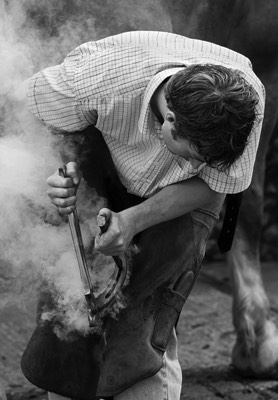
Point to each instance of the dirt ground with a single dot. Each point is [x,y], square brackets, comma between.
[206,336]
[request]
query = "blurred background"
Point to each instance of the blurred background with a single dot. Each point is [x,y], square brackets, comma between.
[36,34]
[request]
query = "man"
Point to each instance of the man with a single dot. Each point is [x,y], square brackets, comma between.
[182,120]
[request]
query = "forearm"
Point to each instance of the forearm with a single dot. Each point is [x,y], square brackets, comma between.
[171,202]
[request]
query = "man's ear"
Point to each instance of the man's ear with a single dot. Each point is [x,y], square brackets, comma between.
[170,117]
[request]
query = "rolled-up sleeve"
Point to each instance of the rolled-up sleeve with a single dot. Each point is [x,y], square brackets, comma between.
[51,97]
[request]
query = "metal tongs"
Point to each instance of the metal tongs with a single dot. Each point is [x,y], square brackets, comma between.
[95,305]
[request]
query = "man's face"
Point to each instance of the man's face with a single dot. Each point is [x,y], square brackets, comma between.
[177,145]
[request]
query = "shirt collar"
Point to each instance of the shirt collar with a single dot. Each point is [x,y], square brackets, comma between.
[143,123]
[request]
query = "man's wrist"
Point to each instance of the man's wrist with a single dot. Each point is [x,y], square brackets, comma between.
[136,217]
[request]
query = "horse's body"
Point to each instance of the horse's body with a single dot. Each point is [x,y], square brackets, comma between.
[249,27]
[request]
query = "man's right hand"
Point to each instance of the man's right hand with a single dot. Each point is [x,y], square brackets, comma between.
[62,191]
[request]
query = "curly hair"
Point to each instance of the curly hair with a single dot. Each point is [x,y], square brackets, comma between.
[215,109]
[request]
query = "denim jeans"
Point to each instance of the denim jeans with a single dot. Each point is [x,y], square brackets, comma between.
[164,385]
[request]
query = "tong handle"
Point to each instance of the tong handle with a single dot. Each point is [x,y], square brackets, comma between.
[78,244]
[103,220]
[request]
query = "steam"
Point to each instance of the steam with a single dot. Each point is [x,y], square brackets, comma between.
[35,243]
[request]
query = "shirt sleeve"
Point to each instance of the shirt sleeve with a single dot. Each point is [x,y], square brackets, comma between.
[51,97]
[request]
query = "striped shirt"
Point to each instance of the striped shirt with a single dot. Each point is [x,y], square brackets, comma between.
[109,83]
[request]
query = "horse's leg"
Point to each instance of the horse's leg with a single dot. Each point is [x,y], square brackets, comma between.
[256,348]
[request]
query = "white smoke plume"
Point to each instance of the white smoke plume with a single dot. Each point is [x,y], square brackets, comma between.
[35,243]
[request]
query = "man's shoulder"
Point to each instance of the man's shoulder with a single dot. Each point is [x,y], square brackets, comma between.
[166,42]
[152,39]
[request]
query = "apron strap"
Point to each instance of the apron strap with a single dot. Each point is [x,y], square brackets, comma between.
[225,240]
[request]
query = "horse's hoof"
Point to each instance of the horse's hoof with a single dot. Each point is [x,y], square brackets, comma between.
[260,361]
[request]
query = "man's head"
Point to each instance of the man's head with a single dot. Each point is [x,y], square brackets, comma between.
[213,108]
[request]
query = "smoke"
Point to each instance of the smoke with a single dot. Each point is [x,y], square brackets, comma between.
[35,243]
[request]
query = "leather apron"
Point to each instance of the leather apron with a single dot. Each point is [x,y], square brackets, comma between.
[131,348]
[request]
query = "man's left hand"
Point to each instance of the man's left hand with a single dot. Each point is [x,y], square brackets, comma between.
[118,236]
